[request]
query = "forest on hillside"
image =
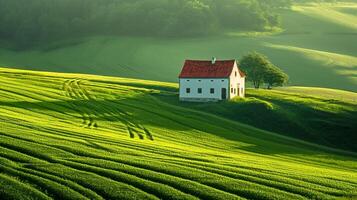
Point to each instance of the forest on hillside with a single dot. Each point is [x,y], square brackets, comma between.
[48,20]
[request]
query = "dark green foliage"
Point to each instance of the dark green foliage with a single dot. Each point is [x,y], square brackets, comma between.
[50,20]
[260,70]
[255,65]
[275,77]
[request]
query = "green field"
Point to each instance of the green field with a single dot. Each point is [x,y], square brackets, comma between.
[316,48]
[73,136]
[324,116]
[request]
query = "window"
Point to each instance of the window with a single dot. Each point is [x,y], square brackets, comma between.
[231,90]
[199,80]
[188,80]
[235,91]
[199,90]
[222,80]
[212,90]
[211,80]
[235,73]
[188,90]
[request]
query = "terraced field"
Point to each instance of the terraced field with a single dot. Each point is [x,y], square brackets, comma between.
[73,136]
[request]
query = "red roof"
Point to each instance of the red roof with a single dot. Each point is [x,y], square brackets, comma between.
[205,69]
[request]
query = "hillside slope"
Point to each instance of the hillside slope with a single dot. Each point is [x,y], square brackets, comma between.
[72,136]
[313,49]
[324,116]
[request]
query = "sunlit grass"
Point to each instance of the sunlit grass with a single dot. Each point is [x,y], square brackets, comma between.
[330,13]
[145,147]
[342,64]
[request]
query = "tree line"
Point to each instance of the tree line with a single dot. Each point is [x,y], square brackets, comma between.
[27,22]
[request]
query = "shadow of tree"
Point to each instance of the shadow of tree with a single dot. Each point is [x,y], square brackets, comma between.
[147,110]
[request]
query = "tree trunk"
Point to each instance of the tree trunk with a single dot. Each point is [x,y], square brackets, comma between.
[256,84]
[270,86]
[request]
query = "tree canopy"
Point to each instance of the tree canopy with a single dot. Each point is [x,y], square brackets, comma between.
[274,76]
[26,22]
[260,70]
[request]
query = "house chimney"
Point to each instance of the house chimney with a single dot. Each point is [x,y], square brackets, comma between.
[214,60]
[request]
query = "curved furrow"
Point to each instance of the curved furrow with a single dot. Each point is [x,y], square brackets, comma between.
[8,94]
[14,157]
[227,184]
[120,144]
[137,149]
[107,188]
[18,157]
[185,185]
[33,166]
[31,86]
[29,91]
[216,192]
[80,102]
[95,109]
[40,114]
[101,162]
[51,188]
[312,162]
[34,95]
[74,186]
[265,174]
[12,188]
[53,160]
[128,179]
[37,150]
[29,138]
[11,95]
[157,189]
[299,176]
[58,111]
[118,190]
[292,186]
[234,185]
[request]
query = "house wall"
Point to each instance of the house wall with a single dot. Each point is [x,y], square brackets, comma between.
[237,83]
[206,85]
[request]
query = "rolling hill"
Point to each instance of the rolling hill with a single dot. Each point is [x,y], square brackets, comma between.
[315,49]
[76,136]
[324,116]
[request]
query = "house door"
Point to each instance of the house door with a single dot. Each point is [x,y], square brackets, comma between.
[224,93]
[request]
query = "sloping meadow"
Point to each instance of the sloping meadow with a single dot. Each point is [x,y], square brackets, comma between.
[66,136]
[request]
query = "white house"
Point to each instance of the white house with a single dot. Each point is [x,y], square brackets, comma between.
[211,80]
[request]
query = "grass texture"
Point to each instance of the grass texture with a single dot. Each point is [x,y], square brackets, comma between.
[75,136]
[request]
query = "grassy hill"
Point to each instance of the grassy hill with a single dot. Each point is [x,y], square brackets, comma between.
[319,115]
[315,49]
[73,136]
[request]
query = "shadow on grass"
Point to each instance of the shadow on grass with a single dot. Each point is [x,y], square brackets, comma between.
[162,111]
[324,127]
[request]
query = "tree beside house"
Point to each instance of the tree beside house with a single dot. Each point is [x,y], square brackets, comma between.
[260,70]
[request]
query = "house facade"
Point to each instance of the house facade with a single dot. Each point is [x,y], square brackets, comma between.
[213,80]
